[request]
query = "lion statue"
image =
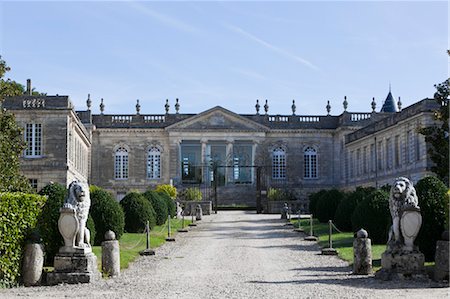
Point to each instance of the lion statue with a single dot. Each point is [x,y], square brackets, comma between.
[79,200]
[405,225]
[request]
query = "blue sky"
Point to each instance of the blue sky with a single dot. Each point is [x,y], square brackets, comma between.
[228,53]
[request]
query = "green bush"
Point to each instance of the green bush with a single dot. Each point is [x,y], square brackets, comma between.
[372,214]
[192,194]
[48,222]
[313,199]
[433,203]
[169,189]
[19,214]
[91,227]
[327,204]
[171,205]
[138,210]
[106,213]
[159,205]
[344,211]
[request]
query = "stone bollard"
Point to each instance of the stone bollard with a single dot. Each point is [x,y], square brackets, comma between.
[33,263]
[198,213]
[110,255]
[362,253]
[441,268]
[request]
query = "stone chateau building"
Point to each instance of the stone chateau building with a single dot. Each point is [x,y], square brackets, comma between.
[228,155]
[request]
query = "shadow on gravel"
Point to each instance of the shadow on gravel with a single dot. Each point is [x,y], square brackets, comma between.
[366,282]
[296,247]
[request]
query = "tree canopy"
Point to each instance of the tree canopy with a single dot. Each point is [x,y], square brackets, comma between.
[438,136]
[11,140]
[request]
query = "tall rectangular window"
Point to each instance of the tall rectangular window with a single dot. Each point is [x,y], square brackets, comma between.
[409,146]
[397,151]
[380,155]
[389,153]
[310,160]
[417,147]
[278,164]
[372,158]
[33,140]
[365,159]
[154,163]
[121,163]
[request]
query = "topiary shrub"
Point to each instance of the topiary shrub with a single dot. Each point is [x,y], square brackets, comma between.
[171,205]
[138,210]
[169,189]
[372,214]
[159,204]
[344,211]
[106,213]
[433,203]
[313,199]
[48,222]
[91,227]
[327,204]
[19,214]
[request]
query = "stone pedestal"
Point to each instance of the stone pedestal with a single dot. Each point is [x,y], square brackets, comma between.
[441,268]
[362,256]
[402,265]
[33,263]
[111,258]
[74,268]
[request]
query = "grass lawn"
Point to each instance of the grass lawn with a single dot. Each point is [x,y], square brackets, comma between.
[132,243]
[343,242]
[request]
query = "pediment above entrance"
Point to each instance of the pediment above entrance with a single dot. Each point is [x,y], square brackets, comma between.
[217,118]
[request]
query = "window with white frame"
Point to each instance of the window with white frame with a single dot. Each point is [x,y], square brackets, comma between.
[278,164]
[121,163]
[310,160]
[154,163]
[33,140]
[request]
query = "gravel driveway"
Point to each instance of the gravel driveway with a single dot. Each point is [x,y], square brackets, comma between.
[238,255]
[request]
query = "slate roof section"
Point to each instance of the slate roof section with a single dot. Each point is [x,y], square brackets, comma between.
[389,104]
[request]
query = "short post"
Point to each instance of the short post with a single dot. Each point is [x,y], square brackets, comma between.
[33,262]
[311,237]
[169,237]
[110,255]
[147,251]
[330,250]
[193,218]
[182,229]
[299,229]
[362,253]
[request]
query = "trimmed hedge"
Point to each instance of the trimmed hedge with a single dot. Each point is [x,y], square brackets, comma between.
[106,213]
[138,210]
[345,209]
[372,214]
[327,205]
[159,204]
[433,203]
[171,205]
[19,214]
[313,199]
[48,222]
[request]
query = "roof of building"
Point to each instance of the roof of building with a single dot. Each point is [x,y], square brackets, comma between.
[389,104]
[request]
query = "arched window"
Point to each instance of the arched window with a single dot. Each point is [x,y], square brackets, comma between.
[154,163]
[278,164]
[121,163]
[310,157]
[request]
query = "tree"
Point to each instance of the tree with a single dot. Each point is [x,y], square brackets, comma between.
[438,136]
[11,141]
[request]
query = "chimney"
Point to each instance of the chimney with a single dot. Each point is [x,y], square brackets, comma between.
[28,87]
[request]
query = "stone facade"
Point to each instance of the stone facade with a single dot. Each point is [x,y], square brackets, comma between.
[234,153]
